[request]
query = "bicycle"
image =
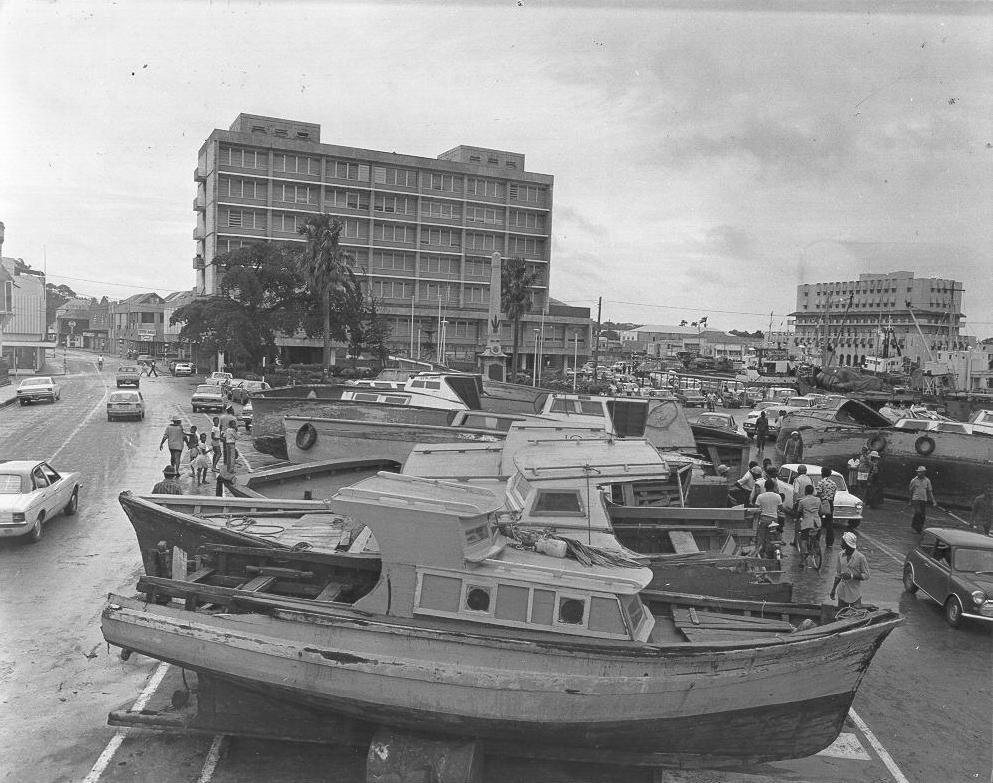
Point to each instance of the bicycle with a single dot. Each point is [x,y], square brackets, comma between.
[810,543]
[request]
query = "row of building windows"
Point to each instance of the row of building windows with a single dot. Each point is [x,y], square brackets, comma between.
[382,175]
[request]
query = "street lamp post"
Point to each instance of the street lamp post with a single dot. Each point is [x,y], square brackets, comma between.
[575,358]
[534,365]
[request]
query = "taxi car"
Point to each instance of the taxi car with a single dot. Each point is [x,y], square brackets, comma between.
[127,404]
[128,375]
[37,389]
[954,568]
[847,507]
[207,397]
[31,493]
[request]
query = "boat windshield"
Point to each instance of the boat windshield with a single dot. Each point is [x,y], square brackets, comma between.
[974,561]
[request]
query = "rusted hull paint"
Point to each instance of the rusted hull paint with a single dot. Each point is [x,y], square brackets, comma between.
[784,700]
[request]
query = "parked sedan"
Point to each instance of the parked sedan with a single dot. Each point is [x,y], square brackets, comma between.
[219,378]
[128,375]
[31,493]
[718,422]
[847,507]
[954,568]
[127,404]
[38,389]
[182,368]
[207,397]
[241,392]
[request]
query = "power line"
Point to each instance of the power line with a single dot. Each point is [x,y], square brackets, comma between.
[108,282]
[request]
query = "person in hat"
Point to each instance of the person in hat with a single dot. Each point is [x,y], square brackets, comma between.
[852,569]
[873,485]
[176,438]
[862,476]
[921,496]
[170,484]
[793,448]
[742,490]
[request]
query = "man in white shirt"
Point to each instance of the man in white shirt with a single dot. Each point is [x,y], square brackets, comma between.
[770,504]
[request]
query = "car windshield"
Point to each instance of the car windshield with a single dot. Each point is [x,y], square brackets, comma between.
[128,369]
[974,561]
[123,397]
[795,403]
[712,421]
[10,484]
[206,388]
[36,382]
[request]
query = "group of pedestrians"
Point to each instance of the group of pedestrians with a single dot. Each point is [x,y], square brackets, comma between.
[205,451]
[812,510]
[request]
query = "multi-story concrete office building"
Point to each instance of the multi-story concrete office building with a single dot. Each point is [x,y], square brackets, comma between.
[878,305]
[421,230]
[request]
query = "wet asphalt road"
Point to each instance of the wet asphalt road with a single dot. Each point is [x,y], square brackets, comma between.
[927,699]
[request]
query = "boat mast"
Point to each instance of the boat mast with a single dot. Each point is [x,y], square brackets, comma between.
[917,326]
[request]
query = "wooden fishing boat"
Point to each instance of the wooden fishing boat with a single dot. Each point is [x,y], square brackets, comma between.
[585,481]
[465,635]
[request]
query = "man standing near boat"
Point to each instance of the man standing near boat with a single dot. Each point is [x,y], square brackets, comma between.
[800,484]
[921,496]
[851,570]
[170,484]
[826,490]
[793,450]
[982,510]
[761,433]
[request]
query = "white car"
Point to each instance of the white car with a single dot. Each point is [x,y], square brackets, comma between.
[208,397]
[36,389]
[847,507]
[31,493]
[219,379]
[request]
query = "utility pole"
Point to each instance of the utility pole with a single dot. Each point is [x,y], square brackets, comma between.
[596,339]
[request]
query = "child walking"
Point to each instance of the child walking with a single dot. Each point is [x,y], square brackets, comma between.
[201,463]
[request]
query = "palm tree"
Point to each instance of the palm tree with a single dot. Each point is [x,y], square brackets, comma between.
[324,264]
[516,298]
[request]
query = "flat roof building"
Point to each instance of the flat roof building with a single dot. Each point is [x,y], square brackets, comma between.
[421,230]
[855,316]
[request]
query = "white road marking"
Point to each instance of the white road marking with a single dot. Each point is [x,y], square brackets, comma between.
[213,757]
[100,405]
[890,553]
[877,746]
[847,746]
[115,742]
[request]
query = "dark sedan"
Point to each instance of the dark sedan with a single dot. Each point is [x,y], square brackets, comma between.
[955,569]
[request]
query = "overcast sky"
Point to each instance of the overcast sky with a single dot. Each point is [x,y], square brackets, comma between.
[705,161]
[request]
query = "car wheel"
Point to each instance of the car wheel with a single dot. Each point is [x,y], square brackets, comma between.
[853,524]
[953,611]
[34,535]
[908,579]
[118,384]
[73,503]
[23,403]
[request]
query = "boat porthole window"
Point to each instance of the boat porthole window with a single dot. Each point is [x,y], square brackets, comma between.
[477,598]
[571,611]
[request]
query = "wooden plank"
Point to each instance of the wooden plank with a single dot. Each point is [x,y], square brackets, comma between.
[258,584]
[683,542]
[281,573]
[361,540]
[199,575]
[330,592]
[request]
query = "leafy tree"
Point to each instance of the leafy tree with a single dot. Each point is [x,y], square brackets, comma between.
[324,264]
[516,299]
[367,329]
[260,293]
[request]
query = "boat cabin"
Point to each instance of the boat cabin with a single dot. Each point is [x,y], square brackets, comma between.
[450,391]
[982,421]
[662,422]
[444,557]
